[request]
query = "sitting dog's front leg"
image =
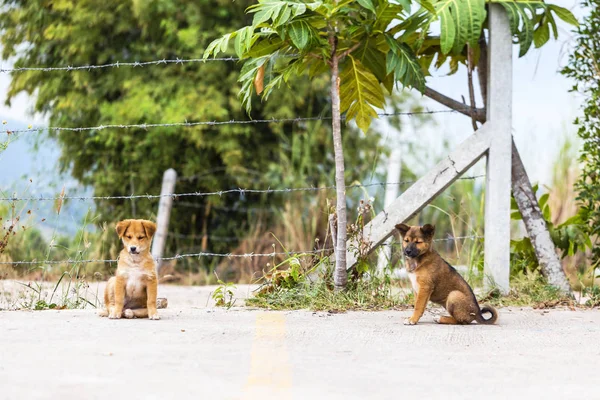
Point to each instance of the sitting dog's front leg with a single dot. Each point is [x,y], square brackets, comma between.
[151,292]
[422,298]
[116,312]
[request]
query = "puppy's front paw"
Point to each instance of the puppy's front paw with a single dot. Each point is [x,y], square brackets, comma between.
[128,314]
[154,316]
[436,319]
[114,315]
[409,321]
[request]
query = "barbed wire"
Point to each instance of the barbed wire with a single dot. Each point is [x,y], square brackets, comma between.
[209,254]
[239,191]
[235,238]
[118,64]
[175,257]
[210,123]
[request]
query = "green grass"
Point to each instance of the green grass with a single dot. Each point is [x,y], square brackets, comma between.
[529,290]
[375,294]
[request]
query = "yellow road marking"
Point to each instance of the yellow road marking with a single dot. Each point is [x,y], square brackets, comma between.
[270,374]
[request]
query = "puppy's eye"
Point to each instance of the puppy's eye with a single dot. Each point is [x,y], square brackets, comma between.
[406,240]
[128,236]
[140,237]
[419,242]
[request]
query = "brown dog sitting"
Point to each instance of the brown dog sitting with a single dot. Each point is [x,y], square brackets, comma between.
[132,292]
[434,279]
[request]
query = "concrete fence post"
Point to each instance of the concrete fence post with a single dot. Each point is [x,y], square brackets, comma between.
[499,158]
[164,213]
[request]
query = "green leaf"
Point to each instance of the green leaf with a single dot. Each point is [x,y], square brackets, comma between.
[426,4]
[541,35]
[300,32]
[515,215]
[247,75]
[402,61]
[564,14]
[279,12]
[368,4]
[526,34]
[372,58]
[243,41]
[360,92]
[265,47]
[552,24]
[466,16]
[543,200]
[448,31]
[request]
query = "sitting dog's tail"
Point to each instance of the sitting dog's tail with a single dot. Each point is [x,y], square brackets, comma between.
[489,321]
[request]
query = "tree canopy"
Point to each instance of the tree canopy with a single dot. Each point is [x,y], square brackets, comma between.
[209,158]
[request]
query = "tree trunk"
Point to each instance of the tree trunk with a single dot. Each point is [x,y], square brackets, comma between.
[536,225]
[340,276]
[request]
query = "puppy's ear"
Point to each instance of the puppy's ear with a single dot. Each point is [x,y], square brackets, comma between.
[122,227]
[428,230]
[149,227]
[402,228]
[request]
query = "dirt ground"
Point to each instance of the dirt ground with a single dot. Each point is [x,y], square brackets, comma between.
[197,350]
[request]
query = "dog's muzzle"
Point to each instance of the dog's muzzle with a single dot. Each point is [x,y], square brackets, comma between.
[411,252]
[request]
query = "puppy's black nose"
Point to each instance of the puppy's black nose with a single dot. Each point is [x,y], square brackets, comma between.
[133,248]
[410,252]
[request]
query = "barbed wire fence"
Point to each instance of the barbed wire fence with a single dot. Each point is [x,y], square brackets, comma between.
[176,196]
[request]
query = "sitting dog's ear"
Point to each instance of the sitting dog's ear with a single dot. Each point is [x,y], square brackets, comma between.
[122,227]
[149,227]
[428,230]
[402,228]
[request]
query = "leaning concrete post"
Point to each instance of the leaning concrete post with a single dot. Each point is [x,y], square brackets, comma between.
[498,179]
[164,212]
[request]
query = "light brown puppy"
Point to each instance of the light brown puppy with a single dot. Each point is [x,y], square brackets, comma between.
[434,279]
[131,293]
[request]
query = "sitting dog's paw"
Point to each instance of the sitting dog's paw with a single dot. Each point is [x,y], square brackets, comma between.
[154,316]
[409,321]
[128,314]
[436,319]
[114,315]
[103,313]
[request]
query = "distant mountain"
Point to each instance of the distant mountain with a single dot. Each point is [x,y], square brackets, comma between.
[29,168]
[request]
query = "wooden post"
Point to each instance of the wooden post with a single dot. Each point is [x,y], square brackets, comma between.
[498,178]
[164,212]
[391,193]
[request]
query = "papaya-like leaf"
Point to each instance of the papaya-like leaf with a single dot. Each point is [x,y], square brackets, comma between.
[402,61]
[360,93]
[368,4]
[301,33]
[564,14]
[448,31]
[541,35]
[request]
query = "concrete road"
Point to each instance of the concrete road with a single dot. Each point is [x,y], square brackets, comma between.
[207,353]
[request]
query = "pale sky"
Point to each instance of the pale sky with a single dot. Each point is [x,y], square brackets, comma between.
[543,109]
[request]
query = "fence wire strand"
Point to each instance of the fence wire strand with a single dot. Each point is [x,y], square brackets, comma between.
[175,257]
[209,123]
[117,64]
[222,255]
[239,191]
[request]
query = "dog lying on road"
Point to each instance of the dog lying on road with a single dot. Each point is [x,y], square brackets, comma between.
[131,293]
[434,279]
